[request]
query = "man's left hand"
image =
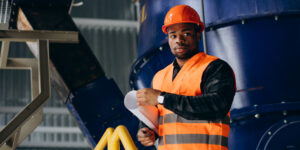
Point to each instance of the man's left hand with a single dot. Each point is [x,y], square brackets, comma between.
[147,96]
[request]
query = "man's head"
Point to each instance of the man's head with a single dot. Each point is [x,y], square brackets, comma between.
[183,27]
[183,40]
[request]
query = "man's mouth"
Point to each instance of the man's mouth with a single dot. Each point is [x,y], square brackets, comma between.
[180,49]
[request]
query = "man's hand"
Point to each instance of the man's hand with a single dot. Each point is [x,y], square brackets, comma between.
[146,136]
[147,96]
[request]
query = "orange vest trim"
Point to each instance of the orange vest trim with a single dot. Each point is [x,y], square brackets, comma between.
[176,132]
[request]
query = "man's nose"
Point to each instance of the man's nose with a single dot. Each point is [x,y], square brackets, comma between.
[180,39]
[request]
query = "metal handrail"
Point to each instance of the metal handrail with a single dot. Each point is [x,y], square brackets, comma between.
[31,116]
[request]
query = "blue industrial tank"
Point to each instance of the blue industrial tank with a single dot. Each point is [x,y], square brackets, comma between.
[260,40]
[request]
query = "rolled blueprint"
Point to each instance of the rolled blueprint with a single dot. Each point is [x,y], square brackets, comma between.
[147,114]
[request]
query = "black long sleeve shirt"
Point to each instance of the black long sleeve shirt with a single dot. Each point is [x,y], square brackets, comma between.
[218,90]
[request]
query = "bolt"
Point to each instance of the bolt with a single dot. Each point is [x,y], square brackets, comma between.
[99,116]
[276,18]
[257,116]
[255,105]
[161,48]
[285,121]
[144,59]
[270,133]
[243,21]
[282,102]
[211,28]
[284,113]
[112,108]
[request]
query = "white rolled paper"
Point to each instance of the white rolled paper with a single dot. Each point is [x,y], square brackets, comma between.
[147,114]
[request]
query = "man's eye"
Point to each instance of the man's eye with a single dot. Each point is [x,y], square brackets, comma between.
[172,36]
[187,34]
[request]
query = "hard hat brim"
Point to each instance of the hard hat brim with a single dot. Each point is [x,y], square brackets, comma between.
[200,24]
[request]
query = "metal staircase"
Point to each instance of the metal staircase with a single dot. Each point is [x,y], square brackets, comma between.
[31,115]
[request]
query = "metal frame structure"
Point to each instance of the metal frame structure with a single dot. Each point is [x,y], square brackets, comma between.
[63,134]
[100,23]
[31,115]
[204,32]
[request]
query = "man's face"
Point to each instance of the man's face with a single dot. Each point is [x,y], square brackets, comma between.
[183,40]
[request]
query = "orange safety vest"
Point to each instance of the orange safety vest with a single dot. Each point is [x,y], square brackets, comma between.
[178,133]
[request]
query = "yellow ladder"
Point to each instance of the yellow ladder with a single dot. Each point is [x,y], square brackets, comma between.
[111,138]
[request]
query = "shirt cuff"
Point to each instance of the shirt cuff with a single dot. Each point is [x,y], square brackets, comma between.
[160,99]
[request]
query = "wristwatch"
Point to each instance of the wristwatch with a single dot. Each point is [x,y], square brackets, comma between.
[160,98]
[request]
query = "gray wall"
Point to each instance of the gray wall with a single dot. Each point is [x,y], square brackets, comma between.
[105,9]
[115,49]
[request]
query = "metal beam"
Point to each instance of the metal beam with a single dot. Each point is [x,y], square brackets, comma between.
[20,63]
[58,130]
[29,126]
[63,130]
[97,23]
[203,33]
[4,53]
[56,144]
[52,36]
[47,110]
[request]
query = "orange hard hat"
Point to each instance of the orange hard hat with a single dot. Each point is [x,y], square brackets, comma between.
[182,14]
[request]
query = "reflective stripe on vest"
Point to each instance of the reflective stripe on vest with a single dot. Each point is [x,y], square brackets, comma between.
[177,132]
[195,138]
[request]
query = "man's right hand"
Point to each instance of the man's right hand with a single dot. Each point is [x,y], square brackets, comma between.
[146,136]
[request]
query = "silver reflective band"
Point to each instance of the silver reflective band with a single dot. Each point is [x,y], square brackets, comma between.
[160,120]
[194,139]
[160,99]
[172,118]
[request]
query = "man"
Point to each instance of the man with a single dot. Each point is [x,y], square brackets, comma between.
[193,94]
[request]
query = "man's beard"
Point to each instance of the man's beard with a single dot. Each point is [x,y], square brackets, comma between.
[187,55]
